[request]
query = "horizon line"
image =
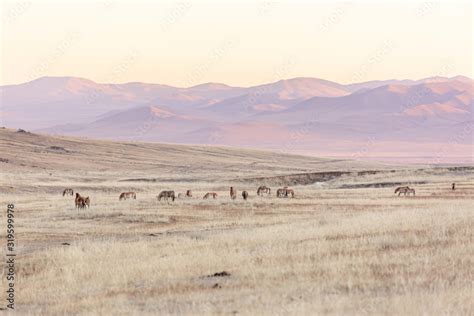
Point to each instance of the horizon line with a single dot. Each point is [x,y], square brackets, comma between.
[231,86]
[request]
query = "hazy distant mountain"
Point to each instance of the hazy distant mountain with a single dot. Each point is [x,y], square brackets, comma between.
[301,113]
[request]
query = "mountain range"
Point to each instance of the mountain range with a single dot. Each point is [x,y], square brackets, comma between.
[391,118]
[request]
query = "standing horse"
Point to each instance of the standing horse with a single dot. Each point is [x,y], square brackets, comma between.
[233,193]
[245,195]
[80,201]
[281,192]
[263,189]
[165,195]
[127,195]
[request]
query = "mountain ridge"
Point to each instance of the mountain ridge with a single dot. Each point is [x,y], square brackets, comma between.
[299,113]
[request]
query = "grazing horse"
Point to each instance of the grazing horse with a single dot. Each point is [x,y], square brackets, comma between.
[263,189]
[127,195]
[209,194]
[80,201]
[188,194]
[68,191]
[166,195]
[284,192]
[281,192]
[233,193]
[245,195]
[405,190]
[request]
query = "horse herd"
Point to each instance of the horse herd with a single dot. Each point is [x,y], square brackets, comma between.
[84,202]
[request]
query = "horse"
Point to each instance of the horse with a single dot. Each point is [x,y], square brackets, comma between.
[166,195]
[233,193]
[188,194]
[281,192]
[80,201]
[453,186]
[245,195]
[127,195]
[263,189]
[405,190]
[68,191]
[284,192]
[87,202]
[209,194]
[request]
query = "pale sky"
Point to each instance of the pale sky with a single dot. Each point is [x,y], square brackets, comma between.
[240,43]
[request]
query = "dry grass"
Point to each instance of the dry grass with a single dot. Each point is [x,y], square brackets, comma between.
[328,251]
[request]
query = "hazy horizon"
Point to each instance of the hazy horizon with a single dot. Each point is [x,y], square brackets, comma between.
[234,86]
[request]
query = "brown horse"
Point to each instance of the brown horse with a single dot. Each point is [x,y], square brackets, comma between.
[284,192]
[127,195]
[210,194]
[406,190]
[233,193]
[189,193]
[68,191]
[245,195]
[80,201]
[281,192]
[166,195]
[263,189]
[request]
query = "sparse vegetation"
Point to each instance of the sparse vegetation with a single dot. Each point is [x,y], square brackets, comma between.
[327,251]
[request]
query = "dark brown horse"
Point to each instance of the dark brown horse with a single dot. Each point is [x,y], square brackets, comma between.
[233,193]
[166,195]
[245,195]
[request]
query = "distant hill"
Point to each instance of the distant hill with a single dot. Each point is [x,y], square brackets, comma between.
[305,115]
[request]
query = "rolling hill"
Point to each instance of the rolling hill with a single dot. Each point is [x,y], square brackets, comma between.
[302,115]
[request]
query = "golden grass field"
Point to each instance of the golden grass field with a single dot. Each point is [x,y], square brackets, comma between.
[345,245]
